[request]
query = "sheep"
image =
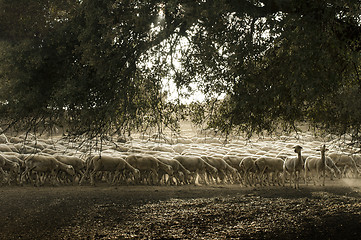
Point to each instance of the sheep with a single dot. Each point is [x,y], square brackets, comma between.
[197,166]
[36,144]
[49,151]
[6,148]
[148,165]
[2,164]
[165,178]
[248,169]
[15,158]
[113,165]
[179,148]
[13,169]
[269,165]
[164,169]
[184,140]
[180,172]
[223,168]
[294,166]
[3,139]
[163,149]
[16,140]
[47,165]
[344,162]
[89,167]
[316,164]
[77,163]
[120,148]
[331,166]
[24,149]
[233,161]
[357,159]
[193,152]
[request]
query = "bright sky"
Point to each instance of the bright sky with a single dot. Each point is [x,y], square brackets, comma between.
[168,82]
[170,87]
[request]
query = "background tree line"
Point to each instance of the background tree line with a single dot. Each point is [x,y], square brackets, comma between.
[97,67]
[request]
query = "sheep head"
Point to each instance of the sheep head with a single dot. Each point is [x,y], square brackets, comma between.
[70,170]
[297,148]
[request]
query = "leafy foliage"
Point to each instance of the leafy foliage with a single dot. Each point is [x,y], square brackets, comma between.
[98,67]
[281,68]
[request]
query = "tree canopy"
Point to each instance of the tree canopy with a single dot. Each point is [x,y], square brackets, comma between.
[98,66]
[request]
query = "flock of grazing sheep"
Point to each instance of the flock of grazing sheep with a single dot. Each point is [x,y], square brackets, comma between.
[182,160]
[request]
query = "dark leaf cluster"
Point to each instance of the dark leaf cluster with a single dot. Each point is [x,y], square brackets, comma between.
[98,67]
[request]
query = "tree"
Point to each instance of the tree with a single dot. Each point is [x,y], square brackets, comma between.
[280,62]
[81,72]
[98,66]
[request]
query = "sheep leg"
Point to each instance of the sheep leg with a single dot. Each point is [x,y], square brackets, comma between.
[279,180]
[261,177]
[251,177]
[116,177]
[277,177]
[272,179]
[154,176]
[222,177]
[92,177]
[53,178]
[3,174]
[246,179]
[305,176]
[25,174]
[344,171]
[284,177]
[314,178]
[297,179]
[38,178]
[291,178]
[81,179]
[201,178]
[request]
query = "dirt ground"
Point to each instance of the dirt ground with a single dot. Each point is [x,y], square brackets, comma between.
[182,212]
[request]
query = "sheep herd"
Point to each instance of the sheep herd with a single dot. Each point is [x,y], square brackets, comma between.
[147,160]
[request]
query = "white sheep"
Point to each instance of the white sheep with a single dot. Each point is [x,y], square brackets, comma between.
[7,148]
[16,140]
[163,149]
[357,159]
[248,170]
[47,165]
[180,172]
[233,160]
[2,164]
[24,149]
[197,166]
[3,138]
[112,165]
[294,166]
[148,167]
[316,165]
[78,164]
[165,175]
[267,166]
[15,157]
[344,162]
[12,167]
[333,169]
[224,170]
